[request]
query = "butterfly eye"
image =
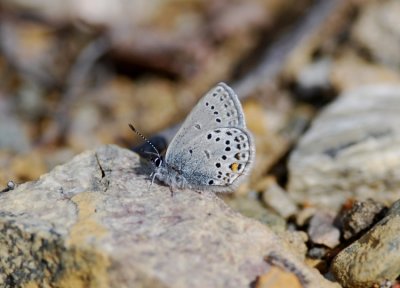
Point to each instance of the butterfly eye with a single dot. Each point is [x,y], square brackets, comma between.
[158,161]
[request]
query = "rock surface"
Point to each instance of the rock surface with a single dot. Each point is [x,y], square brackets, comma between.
[321,230]
[377,31]
[94,222]
[250,207]
[360,217]
[351,151]
[375,257]
[278,199]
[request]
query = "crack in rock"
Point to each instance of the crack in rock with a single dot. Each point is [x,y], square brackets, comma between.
[103,181]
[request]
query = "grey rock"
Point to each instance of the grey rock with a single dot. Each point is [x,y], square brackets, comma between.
[377,30]
[94,222]
[321,230]
[251,207]
[375,257]
[361,216]
[317,252]
[296,242]
[351,150]
[315,75]
[278,199]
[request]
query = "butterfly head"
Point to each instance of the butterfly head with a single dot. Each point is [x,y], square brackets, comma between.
[158,161]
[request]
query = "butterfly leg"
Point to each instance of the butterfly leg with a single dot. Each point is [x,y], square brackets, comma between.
[152,176]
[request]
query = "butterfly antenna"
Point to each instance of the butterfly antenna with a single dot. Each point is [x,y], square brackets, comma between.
[151,153]
[144,138]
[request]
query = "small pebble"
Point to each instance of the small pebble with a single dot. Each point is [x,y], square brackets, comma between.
[322,230]
[10,186]
[361,216]
[375,257]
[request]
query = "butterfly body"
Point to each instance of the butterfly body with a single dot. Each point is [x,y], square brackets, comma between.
[171,176]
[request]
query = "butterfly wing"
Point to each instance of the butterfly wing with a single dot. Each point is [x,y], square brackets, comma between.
[220,107]
[216,160]
[213,148]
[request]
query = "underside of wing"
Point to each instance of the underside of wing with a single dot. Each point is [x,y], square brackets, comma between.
[216,160]
[220,107]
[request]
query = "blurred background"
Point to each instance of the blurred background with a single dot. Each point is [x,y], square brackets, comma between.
[73,74]
[318,81]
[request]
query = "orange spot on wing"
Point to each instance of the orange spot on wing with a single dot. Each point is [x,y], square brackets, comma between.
[234,167]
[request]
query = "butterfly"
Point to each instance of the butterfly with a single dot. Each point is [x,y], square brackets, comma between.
[213,150]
